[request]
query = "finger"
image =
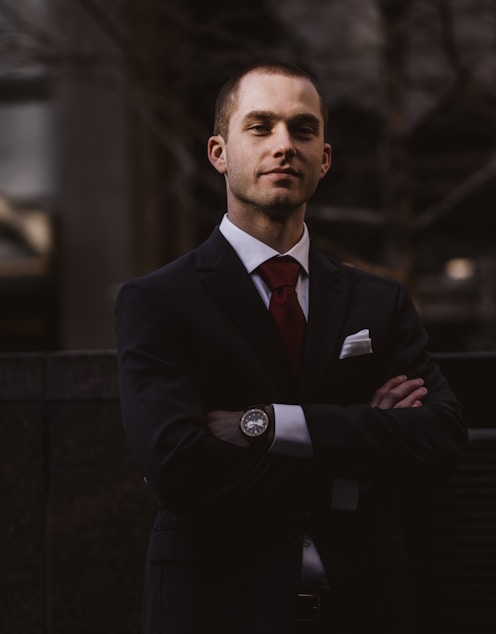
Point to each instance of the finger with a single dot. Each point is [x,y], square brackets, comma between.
[414,399]
[387,387]
[402,392]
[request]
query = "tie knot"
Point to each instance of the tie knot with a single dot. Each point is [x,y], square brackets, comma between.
[280,271]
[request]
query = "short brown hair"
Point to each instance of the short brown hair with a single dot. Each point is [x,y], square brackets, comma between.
[228,94]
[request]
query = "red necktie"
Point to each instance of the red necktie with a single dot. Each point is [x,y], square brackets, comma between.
[281,274]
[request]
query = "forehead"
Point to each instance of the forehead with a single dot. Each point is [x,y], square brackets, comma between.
[284,95]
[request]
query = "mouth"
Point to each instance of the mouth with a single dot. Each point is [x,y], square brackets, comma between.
[282,171]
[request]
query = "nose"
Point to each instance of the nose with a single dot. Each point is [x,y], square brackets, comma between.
[283,143]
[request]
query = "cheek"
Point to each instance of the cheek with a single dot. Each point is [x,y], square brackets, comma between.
[240,165]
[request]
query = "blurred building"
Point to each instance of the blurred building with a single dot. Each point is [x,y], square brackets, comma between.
[29,315]
[105,109]
[65,189]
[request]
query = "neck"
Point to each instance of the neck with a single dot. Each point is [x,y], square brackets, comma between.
[281,235]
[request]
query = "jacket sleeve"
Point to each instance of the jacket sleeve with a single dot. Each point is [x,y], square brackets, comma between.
[164,416]
[358,441]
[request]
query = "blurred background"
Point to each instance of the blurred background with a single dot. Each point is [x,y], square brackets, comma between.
[106,107]
[105,110]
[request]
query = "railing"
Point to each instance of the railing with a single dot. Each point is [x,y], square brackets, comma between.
[76,515]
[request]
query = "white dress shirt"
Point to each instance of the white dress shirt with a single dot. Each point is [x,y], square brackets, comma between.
[291,433]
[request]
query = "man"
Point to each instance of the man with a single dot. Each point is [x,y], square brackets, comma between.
[281,470]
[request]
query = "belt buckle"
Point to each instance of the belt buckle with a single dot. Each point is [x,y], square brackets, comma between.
[308,608]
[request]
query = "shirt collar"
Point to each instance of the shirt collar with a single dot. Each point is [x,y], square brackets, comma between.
[253,252]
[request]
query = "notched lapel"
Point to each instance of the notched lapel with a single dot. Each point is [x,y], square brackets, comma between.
[329,297]
[226,278]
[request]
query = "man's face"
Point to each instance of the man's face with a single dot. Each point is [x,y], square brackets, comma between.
[275,153]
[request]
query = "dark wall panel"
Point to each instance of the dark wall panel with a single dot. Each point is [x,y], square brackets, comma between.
[76,514]
[100,520]
[22,512]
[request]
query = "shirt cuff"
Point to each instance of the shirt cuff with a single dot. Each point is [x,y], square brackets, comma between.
[291,437]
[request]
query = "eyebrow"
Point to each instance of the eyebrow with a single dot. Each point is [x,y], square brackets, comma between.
[268,115]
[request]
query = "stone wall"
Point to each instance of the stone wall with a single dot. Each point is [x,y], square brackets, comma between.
[75,513]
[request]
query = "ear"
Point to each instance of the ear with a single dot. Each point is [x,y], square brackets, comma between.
[326,160]
[217,153]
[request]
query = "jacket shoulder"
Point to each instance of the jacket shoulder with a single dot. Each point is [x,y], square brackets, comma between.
[184,269]
[357,276]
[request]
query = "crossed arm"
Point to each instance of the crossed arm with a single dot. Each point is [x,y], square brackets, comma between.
[183,460]
[397,393]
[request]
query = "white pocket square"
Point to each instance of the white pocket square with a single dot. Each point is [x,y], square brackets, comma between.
[356,344]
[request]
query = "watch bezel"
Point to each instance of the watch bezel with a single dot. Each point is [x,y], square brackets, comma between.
[263,414]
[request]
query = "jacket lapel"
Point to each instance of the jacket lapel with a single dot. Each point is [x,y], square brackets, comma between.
[225,277]
[329,296]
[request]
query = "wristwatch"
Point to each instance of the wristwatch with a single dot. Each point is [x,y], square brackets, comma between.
[255,423]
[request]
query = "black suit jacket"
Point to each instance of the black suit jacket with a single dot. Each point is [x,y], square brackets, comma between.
[225,550]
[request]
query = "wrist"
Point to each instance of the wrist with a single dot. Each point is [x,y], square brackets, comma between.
[257,424]
[271,432]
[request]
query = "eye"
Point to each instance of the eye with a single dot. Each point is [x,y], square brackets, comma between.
[260,129]
[304,131]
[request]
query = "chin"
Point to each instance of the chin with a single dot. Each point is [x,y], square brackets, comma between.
[280,211]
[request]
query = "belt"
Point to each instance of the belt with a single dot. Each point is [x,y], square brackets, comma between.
[311,606]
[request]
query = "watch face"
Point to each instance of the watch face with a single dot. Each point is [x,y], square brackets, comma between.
[254,422]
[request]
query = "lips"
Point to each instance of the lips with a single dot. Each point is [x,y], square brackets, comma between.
[284,171]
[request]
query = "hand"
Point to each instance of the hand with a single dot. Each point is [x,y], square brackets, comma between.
[399,392]
[225,426]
